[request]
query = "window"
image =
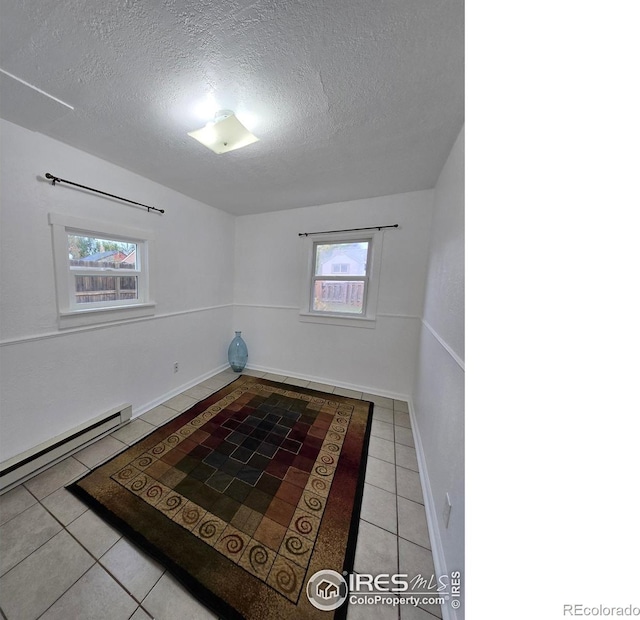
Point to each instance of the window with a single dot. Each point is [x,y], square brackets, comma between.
[342,280]
[340,294]
[102,271]
[96,266]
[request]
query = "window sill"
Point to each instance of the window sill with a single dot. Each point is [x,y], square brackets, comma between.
[334,319]
[96,316]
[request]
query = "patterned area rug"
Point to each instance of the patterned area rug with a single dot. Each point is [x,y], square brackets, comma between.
[244,496]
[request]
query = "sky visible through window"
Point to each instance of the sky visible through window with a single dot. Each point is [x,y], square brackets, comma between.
[81,246]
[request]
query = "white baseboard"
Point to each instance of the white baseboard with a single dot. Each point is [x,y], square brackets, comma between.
[341,384]
[142,409]
[437,550]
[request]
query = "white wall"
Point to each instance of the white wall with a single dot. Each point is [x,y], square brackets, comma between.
[270,269]
[52,381]
[439,388]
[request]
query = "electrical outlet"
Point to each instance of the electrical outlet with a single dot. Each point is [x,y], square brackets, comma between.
[175,367]
[446,513]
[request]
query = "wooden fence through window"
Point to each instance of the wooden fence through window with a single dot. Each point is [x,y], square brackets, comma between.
[109,287]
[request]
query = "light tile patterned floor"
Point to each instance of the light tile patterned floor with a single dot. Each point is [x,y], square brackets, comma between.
[59,561]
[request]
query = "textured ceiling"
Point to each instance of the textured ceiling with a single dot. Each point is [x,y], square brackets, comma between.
[350,98]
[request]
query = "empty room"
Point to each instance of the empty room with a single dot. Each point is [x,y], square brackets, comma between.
[232,310]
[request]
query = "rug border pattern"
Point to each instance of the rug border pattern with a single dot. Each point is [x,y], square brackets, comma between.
[214,602]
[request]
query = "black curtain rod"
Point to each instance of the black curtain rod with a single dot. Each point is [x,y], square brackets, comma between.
[327,232]
[54,179]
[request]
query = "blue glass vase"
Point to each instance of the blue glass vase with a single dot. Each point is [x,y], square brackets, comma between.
[238,353]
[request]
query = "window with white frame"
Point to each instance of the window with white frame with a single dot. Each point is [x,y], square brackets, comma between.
[334,288]
[342,279]
[102,271]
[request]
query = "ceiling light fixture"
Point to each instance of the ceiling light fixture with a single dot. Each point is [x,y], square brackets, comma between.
[225,133]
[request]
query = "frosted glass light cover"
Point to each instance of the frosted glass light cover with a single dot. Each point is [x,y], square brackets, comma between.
[224,136]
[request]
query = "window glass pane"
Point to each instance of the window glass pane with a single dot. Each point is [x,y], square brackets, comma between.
[91,289]
[94,253]
[339,268]
[341,259]
[338,296]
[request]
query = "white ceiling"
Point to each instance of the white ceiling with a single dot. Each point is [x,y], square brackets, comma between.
[351,98]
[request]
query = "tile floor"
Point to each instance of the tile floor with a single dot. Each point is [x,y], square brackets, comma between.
[59,561]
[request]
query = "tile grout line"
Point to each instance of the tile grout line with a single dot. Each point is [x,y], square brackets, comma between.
[122,585]
[37,548]
[22,511]
[394,533]
[69,588]
[95,563]
[64,484]
[395,473]
[398,517]
[146,611]
[97,559]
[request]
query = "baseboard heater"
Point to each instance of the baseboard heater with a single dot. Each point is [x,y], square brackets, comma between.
[30,462]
